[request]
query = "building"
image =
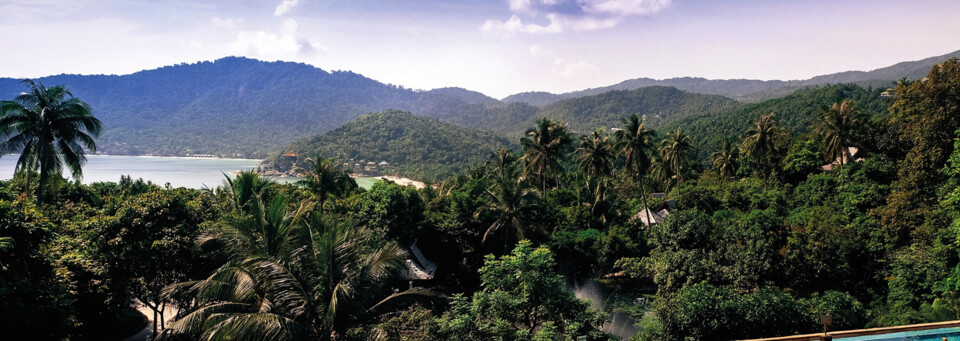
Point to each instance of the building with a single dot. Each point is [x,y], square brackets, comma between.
[418,268]
[648,217]
[854,155]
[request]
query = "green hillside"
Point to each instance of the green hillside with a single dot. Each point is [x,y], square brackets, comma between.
[794,112]
[659,104]
[414,146]
[240,107]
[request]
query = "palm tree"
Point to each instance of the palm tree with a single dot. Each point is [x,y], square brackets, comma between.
[595,154]
[674,151]
[760,144]
[512,205]
[242,190]
[543,147]
[503,159]
[634,142]
[291,276]
[6,243]
[725,161]
[324,178]
[49,128]
[836,130]
[602,202]
[661,171]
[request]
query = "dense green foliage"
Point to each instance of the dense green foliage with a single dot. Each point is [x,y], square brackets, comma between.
[796,113]
[414,146]
[658,104]
[767,248]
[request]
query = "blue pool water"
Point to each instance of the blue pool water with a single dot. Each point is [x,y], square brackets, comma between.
[952,334]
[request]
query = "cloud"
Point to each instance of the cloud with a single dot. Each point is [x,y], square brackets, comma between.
[573,69]
[561,66]
[285,6]
[576,15]
[625,7]
[515,25]
[538,51]
[226,23]
[274,45]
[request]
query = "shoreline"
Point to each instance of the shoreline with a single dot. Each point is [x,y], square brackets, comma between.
[181,157]
[402,181]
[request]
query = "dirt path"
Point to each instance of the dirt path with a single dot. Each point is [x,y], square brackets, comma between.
[147,333]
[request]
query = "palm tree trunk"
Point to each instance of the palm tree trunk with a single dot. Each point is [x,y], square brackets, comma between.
[43,182]
[643,198]
[163,307]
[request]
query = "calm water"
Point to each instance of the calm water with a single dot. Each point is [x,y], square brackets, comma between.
[178,171]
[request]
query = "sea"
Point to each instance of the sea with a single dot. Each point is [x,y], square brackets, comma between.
[190,172]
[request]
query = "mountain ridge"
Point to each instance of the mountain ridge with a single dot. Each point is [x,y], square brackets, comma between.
[749,90]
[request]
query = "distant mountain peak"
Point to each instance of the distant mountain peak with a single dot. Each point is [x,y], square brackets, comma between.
[750,90]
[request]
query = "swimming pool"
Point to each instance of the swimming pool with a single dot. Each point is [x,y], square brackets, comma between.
[952,334]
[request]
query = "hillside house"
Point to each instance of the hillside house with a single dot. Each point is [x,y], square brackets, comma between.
[418,268]
[648,217]
[855,155]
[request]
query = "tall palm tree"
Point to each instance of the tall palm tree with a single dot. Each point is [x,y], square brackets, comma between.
[503,159]
[512,204]
[661,171]
[836,128]
[595,154]
[725,161]
[602,201]
[49,128]
[543,147]
[761,142]
[325,178]
[675,152]
[635,145]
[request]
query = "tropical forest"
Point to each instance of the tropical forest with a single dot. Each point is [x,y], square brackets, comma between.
[259,197]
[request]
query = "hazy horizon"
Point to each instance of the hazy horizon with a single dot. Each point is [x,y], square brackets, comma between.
[494,47]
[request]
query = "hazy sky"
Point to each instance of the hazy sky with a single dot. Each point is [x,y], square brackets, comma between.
[498,47]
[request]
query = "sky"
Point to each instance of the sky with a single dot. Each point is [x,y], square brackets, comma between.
[498,47]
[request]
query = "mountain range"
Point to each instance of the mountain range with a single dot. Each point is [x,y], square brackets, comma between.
[242,107]
[750,90]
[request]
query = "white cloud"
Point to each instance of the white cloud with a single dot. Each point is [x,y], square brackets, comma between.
[226,23]
[538,51]
[625,7]
[515,25]
[574,69]
[273,45]
[576,15]
[285,6]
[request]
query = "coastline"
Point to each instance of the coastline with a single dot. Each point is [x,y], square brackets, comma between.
[181,157]
[395,179]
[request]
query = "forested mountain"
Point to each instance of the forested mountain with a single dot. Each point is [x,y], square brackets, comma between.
[243,107]
[659,104]
[238,106]
[750,89]
[467,96]
[795,112]
[414,146]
